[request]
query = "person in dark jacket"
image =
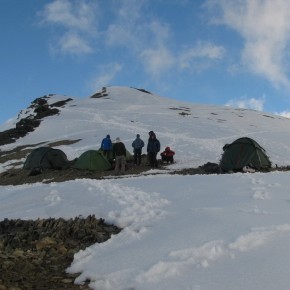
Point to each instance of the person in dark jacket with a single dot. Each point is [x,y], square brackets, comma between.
[167,155]
[119,152]
[137,144]
[153,147]
[151,133]
[106,146]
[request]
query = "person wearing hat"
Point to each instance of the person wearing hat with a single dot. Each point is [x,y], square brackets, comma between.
[150,133]
[153,147]
[137,145]
[119,152]
[106,146]
[167,155]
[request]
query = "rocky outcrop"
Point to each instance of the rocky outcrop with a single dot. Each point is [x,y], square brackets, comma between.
[34,254]
[39,109]
[101,94]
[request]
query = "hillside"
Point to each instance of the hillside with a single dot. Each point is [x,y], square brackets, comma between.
[165,230]
[196,132]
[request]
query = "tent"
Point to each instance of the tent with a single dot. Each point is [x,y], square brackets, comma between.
[46,158]
[244,152]
[92,160]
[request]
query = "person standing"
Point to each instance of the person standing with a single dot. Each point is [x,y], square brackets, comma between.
[106,146]
[153,147]
[150,133]
[119,152]
[137,144]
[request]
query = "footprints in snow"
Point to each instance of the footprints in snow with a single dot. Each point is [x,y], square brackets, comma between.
[260,189]
[53,198]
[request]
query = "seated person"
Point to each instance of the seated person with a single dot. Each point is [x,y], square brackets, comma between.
[167,155]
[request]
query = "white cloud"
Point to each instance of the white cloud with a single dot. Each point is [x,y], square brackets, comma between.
[157,60]
[157,57]
[78,15]
[119,35]
[77,20]
[283,114]
[131,10]
[127,24]
[131,29]
[146,38]
[202,52]
[150,40]
[265,28]
[73,43]
[126,28]
[247,103]
[106,75]
[160,31]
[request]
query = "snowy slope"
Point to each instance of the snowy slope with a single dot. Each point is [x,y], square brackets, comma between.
[196,132]
[201,232]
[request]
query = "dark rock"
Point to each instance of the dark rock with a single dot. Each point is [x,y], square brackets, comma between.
[42,109]
[61,103]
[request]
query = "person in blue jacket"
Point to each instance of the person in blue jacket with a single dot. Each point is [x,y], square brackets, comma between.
[137,144]
[106,146]
[153,147]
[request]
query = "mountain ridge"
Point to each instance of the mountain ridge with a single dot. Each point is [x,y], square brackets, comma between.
[124,112]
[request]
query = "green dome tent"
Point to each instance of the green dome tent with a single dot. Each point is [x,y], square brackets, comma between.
[46,158]
[93,160]
[244,152]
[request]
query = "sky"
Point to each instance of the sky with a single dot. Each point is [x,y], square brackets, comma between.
[233,52]
[200,232]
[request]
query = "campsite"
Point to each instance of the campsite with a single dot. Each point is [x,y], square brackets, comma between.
[55,167]
[180,226]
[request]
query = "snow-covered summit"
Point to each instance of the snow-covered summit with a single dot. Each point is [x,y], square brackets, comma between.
[196,132]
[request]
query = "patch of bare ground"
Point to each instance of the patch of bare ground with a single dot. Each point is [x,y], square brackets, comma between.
[35,254]
[20,176]
[16,176]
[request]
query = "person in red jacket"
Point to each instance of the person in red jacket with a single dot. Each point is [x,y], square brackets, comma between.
[167,155]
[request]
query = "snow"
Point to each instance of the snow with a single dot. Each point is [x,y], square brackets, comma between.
[201,232]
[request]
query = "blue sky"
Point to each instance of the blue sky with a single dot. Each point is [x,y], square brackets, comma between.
[224,52]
